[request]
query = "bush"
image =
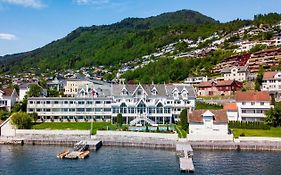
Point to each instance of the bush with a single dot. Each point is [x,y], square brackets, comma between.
[248,125]
[21,120]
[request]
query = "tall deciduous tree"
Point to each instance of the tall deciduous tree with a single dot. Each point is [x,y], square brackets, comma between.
[21,120]
[274,116]
[34,90]
[259,78]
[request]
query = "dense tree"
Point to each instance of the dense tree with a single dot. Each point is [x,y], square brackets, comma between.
[119,120]
[21,120]
[274,116]
[53,93]
[183,119]
[259,78]
[34,90]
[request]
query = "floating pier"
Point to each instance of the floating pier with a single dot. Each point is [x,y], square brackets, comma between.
[81,150]
[185,153]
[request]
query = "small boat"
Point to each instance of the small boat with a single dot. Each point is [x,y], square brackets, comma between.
[84,154]
[62,154]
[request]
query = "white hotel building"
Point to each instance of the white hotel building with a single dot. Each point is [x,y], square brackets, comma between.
[155,104]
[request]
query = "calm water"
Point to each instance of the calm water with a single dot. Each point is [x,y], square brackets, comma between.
[133,161]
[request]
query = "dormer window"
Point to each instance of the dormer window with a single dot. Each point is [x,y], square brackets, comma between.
[154,91]
[124,91]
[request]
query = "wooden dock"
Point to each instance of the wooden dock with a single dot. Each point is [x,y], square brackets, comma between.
[185,153]
[186,165]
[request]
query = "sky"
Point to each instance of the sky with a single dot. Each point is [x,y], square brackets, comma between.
[29,24]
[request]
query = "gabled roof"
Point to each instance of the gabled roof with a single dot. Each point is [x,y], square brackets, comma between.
[253,96]
[7,91]
[205,84]
[269,75]
[219,116]
[230,107]
[240,69]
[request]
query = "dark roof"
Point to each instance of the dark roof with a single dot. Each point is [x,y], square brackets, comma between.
[240,69]
[7,91]
[196,116]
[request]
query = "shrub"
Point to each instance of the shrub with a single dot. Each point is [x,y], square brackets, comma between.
[248,125]
[21,120]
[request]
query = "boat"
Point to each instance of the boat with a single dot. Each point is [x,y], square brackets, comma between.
[84,154]
[61,155]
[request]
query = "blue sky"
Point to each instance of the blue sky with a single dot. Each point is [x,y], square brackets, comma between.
[29,24]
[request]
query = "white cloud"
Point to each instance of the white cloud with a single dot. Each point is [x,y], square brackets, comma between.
[92,2]
[6,36]
[37,4]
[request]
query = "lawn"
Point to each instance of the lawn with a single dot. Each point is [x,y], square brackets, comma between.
[203,105]
[273,132]
[75,126]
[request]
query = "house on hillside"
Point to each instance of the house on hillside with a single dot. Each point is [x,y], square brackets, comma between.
[252,105]
[239,73]
[8,98]
[272,83]
[267,58]
[208,125]
[215,88]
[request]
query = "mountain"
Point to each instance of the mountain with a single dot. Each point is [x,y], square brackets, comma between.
[112,44]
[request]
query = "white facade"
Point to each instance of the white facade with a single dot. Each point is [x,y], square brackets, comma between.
[72,86]
[157,104]
[22,93]
[238,73]
[245,47]
[273,83]
[7,101]
[208,129]
[252,110]
[195,80]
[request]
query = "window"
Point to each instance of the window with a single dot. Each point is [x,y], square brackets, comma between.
[98,102]
[48,102]
[243,103]
[38,102]
[262,103]
[252,103]
[30,102]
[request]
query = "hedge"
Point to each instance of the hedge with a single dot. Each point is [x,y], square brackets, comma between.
[248,125]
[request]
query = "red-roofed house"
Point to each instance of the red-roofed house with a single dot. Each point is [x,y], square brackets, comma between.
[272,83]
[231,110]
[212,88]
[208,125]
[252,105]
[8,97]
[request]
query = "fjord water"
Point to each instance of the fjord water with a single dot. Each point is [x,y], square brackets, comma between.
[25,160]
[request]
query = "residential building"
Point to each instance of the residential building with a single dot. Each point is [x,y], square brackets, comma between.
[208,125]
[73,85]
[154,104]
[215,88]
[8,97]
[239,73]
[195,80]
[252,105]
[24,88]
[237,60]
[245,47]
[276,41]
[232,111]
[272,83]
[267,58]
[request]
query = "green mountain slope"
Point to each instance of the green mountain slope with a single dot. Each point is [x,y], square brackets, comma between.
[112,44]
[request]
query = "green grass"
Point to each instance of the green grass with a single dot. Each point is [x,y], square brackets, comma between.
[181,133]
[202,105]
[273,132]
[75,126]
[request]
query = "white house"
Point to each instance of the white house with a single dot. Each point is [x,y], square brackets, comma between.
[208,125]
[238,73]
[8,97]
[276,40]
[245,46]
[195,80]
[252,105]
[231,110]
